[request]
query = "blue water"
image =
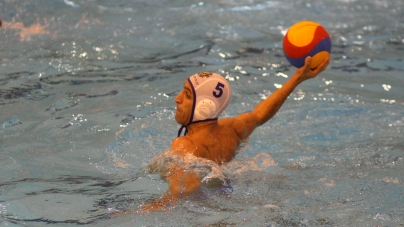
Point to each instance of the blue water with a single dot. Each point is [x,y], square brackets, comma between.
[86,101]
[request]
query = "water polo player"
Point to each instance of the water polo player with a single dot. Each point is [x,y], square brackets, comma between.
[207,138]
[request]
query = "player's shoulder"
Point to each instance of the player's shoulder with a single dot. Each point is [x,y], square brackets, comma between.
[231,122]
[227,121]
[235,124]
[182,143]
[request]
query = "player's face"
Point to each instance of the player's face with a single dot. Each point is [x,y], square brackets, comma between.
[184,102]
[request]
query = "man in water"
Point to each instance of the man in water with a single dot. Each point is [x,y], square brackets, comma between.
[203,98]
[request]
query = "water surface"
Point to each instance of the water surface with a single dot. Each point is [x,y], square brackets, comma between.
[86,100]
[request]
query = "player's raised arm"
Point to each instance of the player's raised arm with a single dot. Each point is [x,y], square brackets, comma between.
[246,123]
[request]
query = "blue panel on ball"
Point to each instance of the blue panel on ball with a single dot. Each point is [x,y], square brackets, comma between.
[323,45]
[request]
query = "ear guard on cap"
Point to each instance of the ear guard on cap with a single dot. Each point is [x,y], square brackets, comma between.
[204,109]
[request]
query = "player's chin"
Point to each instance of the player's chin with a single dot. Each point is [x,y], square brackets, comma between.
[180,119]
[177,117]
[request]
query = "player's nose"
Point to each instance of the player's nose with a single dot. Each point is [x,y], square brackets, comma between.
[178,98]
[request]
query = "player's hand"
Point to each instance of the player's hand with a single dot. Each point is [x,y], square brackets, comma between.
[306,73]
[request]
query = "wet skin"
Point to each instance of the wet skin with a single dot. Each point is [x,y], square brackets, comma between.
[219,140]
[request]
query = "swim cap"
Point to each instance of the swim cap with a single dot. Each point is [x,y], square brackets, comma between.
[212,95]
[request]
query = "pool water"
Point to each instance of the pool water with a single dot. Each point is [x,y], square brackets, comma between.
[86,102]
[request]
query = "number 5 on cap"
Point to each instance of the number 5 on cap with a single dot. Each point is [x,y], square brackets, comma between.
[219,87]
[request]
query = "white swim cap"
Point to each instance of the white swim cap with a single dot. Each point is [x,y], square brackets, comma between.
[212,94]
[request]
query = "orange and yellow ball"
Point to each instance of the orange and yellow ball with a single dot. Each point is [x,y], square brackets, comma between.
[306,38]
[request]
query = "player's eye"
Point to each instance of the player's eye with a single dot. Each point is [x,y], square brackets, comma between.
[187,94]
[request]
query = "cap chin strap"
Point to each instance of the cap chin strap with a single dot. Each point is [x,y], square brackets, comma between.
[186,126]
[180,130]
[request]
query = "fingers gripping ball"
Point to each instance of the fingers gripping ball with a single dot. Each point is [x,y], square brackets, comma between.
[306,38]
